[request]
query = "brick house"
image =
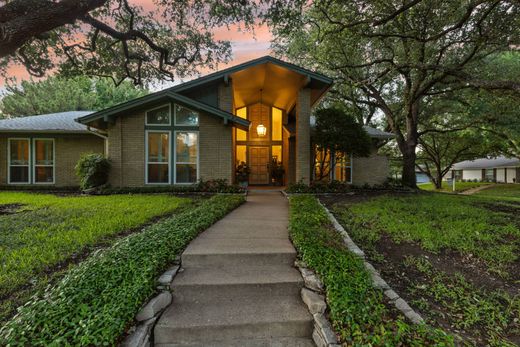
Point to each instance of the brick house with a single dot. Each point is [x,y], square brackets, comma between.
[258,112]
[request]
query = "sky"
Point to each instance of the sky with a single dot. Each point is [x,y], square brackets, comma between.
[245,45]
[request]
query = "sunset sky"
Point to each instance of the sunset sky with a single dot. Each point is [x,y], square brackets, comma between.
[245,46]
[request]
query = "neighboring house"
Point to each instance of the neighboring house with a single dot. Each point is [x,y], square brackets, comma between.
[255,112]
[499,169]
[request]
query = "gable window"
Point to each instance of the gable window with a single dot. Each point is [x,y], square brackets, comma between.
[158,157]
[186,156]
[43,170]
[19,161]
[186,117]
[159,116]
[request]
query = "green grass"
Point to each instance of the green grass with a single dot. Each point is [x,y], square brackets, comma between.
[436,222]
[49,230]
[357,311]
[502,192]
[447,188]
[95,301]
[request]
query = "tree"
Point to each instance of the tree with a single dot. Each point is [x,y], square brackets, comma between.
[394,55]
[337,133]
[115,38]
[58,94]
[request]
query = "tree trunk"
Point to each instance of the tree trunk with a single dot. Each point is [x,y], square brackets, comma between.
[438,184]
[408,173]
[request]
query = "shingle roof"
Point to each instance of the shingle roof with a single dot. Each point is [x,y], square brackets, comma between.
[52,122]
[376,133]
[487,163]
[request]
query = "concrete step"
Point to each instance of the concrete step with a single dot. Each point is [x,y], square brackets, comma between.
[269,342]
[209,284]
[234,318]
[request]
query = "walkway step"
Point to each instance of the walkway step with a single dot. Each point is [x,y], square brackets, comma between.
[202,284]
[269,342]
[232,319]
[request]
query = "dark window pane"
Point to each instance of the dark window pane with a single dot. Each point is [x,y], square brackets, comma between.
[157,173]
[186,173]
[44,152]
[185,116]
[186,147]
[19,174]
[158,116]
[158,147]
[43,174]
[19,150]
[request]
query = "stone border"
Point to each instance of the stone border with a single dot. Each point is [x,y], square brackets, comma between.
[377,280]
[140,335]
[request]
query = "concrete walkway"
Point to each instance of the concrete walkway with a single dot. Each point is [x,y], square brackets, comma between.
[472,191]
[239,287]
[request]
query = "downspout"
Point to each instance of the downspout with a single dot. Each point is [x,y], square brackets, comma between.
[103,136]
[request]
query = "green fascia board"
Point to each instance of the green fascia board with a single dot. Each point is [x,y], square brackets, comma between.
[262,60]
[113,111]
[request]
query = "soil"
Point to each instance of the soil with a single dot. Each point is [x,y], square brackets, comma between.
[9,208]
[400,277]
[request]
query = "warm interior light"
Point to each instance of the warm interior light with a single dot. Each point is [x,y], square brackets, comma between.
[261,130]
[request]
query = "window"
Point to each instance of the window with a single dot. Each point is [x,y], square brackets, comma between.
[185,116]
[43,171]
[158,157]
[343,168]
[241,154]
[242,134]
[321,164]
[19,161]
[277,124]
[490,175]
[158,116]
[186,156]
[276,153]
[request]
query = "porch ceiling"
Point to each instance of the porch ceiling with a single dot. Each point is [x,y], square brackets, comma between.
[279,84]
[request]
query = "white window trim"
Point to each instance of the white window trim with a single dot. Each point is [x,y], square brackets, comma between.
[184,125]
[175,157]
[169,157]
[347,166]
[33,171]
[156,108]
[9,161]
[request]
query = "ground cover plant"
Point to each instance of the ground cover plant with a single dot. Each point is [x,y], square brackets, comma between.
[96,300]
[448,188]
[502,192]
[357,310]
[41,233]
[454,258]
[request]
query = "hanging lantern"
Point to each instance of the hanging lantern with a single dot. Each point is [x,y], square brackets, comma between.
[261,130]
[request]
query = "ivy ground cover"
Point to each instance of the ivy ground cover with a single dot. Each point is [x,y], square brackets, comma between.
[41,234]
[454,258]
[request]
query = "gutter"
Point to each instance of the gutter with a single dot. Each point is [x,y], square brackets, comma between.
[103,135]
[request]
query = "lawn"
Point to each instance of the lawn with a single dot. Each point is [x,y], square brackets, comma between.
[501,192]
[448,188]
[455,258]
[41,233]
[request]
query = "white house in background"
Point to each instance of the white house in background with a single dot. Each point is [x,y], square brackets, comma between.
[499,169]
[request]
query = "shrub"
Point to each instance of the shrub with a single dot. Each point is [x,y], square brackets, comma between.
[95,301]
[210,186]
[322,187]
[92,170]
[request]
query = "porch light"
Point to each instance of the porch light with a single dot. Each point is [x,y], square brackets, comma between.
[261,130]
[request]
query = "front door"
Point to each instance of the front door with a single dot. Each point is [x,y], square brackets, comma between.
[259,160]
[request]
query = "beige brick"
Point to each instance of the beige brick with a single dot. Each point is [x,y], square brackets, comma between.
[303,138]
[370,170]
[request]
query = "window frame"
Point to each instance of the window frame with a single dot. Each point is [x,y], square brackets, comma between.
[175,157]
[34,165]
[156,108]
[184,125]
[29,178]
[147,162]
[344,167]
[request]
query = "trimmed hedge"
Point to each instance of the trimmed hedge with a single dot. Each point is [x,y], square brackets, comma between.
[323,187]
[96,300]
[357,310]
[210,186]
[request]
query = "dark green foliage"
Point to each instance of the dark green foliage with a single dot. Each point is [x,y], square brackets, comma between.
[318,187]
[94,303]
[92,170]
[356,308]
[338,131]
[210,186]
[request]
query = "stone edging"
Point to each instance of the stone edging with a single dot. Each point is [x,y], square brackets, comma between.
[377,280]
[140,335]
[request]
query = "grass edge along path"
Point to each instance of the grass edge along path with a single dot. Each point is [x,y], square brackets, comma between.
[96,300]
[357,310]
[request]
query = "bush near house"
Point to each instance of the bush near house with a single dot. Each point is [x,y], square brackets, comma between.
[95,301]
[92,170]
[357,310]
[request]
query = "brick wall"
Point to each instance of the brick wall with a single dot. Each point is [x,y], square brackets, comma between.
[68,149]
[303,139]
[216,149]
[371,170]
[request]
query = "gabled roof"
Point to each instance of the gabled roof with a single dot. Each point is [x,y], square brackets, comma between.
[376,133]
[487,163]
[52,122]
[170,95]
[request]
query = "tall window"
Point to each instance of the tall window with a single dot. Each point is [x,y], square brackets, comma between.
[18,160]
[343,168]
[186,156]
[489,175]
[277,124]
[43,171]
[242,134]
[158,157]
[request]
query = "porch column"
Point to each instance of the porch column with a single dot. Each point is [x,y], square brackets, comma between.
[303,136]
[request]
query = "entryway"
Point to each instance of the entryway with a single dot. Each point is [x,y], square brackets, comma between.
[259,159]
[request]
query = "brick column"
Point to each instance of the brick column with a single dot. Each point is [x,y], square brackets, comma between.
[226,150]
[303,136]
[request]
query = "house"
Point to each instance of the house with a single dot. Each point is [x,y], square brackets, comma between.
[255,112]
[499,169]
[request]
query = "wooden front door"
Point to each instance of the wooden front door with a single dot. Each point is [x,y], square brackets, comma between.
[259,159]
